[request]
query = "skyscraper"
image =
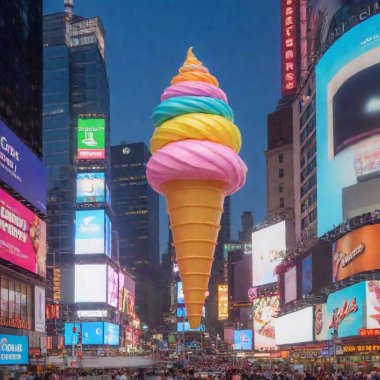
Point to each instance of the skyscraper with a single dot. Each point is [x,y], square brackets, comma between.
[137,219]
[245,235]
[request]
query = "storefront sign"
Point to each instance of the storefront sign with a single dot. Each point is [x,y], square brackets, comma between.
[369,332]
[361,348]
[305,354]
[15,323]
[289,46]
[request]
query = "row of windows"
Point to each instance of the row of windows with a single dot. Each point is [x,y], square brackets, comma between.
[309,154]
[308,112]
[309,168]
[312,181]
[309,218]
[310,127]
[309,201]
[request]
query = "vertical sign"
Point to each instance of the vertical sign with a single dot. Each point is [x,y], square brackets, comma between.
[39,309]
[222,302]
[289,46]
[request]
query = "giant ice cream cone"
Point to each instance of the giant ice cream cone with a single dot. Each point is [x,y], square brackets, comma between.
[195,165]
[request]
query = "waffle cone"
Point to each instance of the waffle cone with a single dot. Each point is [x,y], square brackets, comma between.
[195,208]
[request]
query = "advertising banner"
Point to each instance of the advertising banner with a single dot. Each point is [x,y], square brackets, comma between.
[92,333]
[185,326]
[89,232]
[21,169]
[242,340]
[13,349]
[348,126]
[290,279]
[180,296]
[373,305]
[222,302]
[111,334]
[307,274]
[113,287]
[70,336]
[39,309]
[356,252]
[182,312]
[346,311]
[321,326]
[22,236]
[90,187]
[91,137]
[90,283]
[264,311]
[267,245]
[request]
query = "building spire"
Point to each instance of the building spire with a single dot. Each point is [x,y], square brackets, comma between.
[69,5]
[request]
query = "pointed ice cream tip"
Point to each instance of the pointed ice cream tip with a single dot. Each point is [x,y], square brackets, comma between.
[191,59]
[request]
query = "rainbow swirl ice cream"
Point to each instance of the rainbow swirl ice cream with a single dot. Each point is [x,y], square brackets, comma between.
[195,164]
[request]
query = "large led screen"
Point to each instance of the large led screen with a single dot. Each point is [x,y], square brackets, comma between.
[295,327]
[113,287]
[182,312]
[180,296]
[267,244]
[22,236]
[264,311]
[90,283]
[290,279]
[356,252]
[70,336]
[242,340]
[21,169]
[14,349]
[92,333]
[111,334]
[346,310]
[90,187]
[373,304]
[91,137]
[307,274]
[185,327]
[89,232]
[321,325]
[348,119]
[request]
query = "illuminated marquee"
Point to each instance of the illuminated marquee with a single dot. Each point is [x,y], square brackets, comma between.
[289,46]
[222,302]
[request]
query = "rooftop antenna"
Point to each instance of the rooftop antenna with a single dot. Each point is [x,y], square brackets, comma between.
[69,5]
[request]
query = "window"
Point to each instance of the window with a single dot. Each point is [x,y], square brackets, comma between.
[281,158]
[282,203]
[281,172]
[281,187]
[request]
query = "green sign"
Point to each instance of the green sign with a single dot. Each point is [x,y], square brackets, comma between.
[91,134]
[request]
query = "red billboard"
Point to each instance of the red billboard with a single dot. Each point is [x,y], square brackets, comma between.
[22,236]
[289,21]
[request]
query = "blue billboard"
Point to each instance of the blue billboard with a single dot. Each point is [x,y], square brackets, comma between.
[345,311]
[108,237]
[307,274]
[182,312]
[92,333]
[111,334]
[70,336]
[13,349]
[180,296]
[242,339]
[21,169]
[185,326]
[90,187]
[89,232]
[348,126]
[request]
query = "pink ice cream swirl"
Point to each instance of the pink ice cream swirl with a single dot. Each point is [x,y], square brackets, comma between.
[196,159]
[194,89]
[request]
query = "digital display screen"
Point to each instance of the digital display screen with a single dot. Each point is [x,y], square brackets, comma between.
[92,333]
[91,137]
[113,287]
[108,236]
[13,349]
[373,304]
[321,325]
[242,340]
[185,326]
[180,296]
[182,312]
[222,302]
[290,279]
[111,334]
[90,187]
[90,283]
[307,274]
[70,336]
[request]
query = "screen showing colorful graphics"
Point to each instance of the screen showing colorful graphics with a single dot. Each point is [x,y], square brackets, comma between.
[267,244]
[22,236]
[307,274]
[222,302]
[182,312]
[92,333]
[288,329]
[70,336]
[13,349]
[21,169]
[90,187]
[264,311]
[373,304]
[345,311]
[113,287]
[348,133]
[185,326]
[356,252]
[89,232]
[111,334]
[180,296]
[321,325]
[290,279]
[90,283]
[242,340]
[91,137]
[108,237]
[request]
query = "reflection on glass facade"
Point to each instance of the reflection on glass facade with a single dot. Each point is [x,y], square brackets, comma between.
[75,82]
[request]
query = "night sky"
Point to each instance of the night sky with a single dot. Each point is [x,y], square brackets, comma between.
[146,43]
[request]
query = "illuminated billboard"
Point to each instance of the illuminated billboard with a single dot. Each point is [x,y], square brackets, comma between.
[267,245]
[111,334]
[373,304]
[185,326]
[113,287]
[180,296]
[321,325]
[108,236]
[90,187]
[346,310]
[295,327]
[21,170]
[264,311]
[14,349]
[222,302]
[89,232]
[348,117]
[182,312]
[290,280]
[356,252]
[242,340]
[90,283]
[92,333]
[70,336]
[307,274]
[91,137]
[22,236]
